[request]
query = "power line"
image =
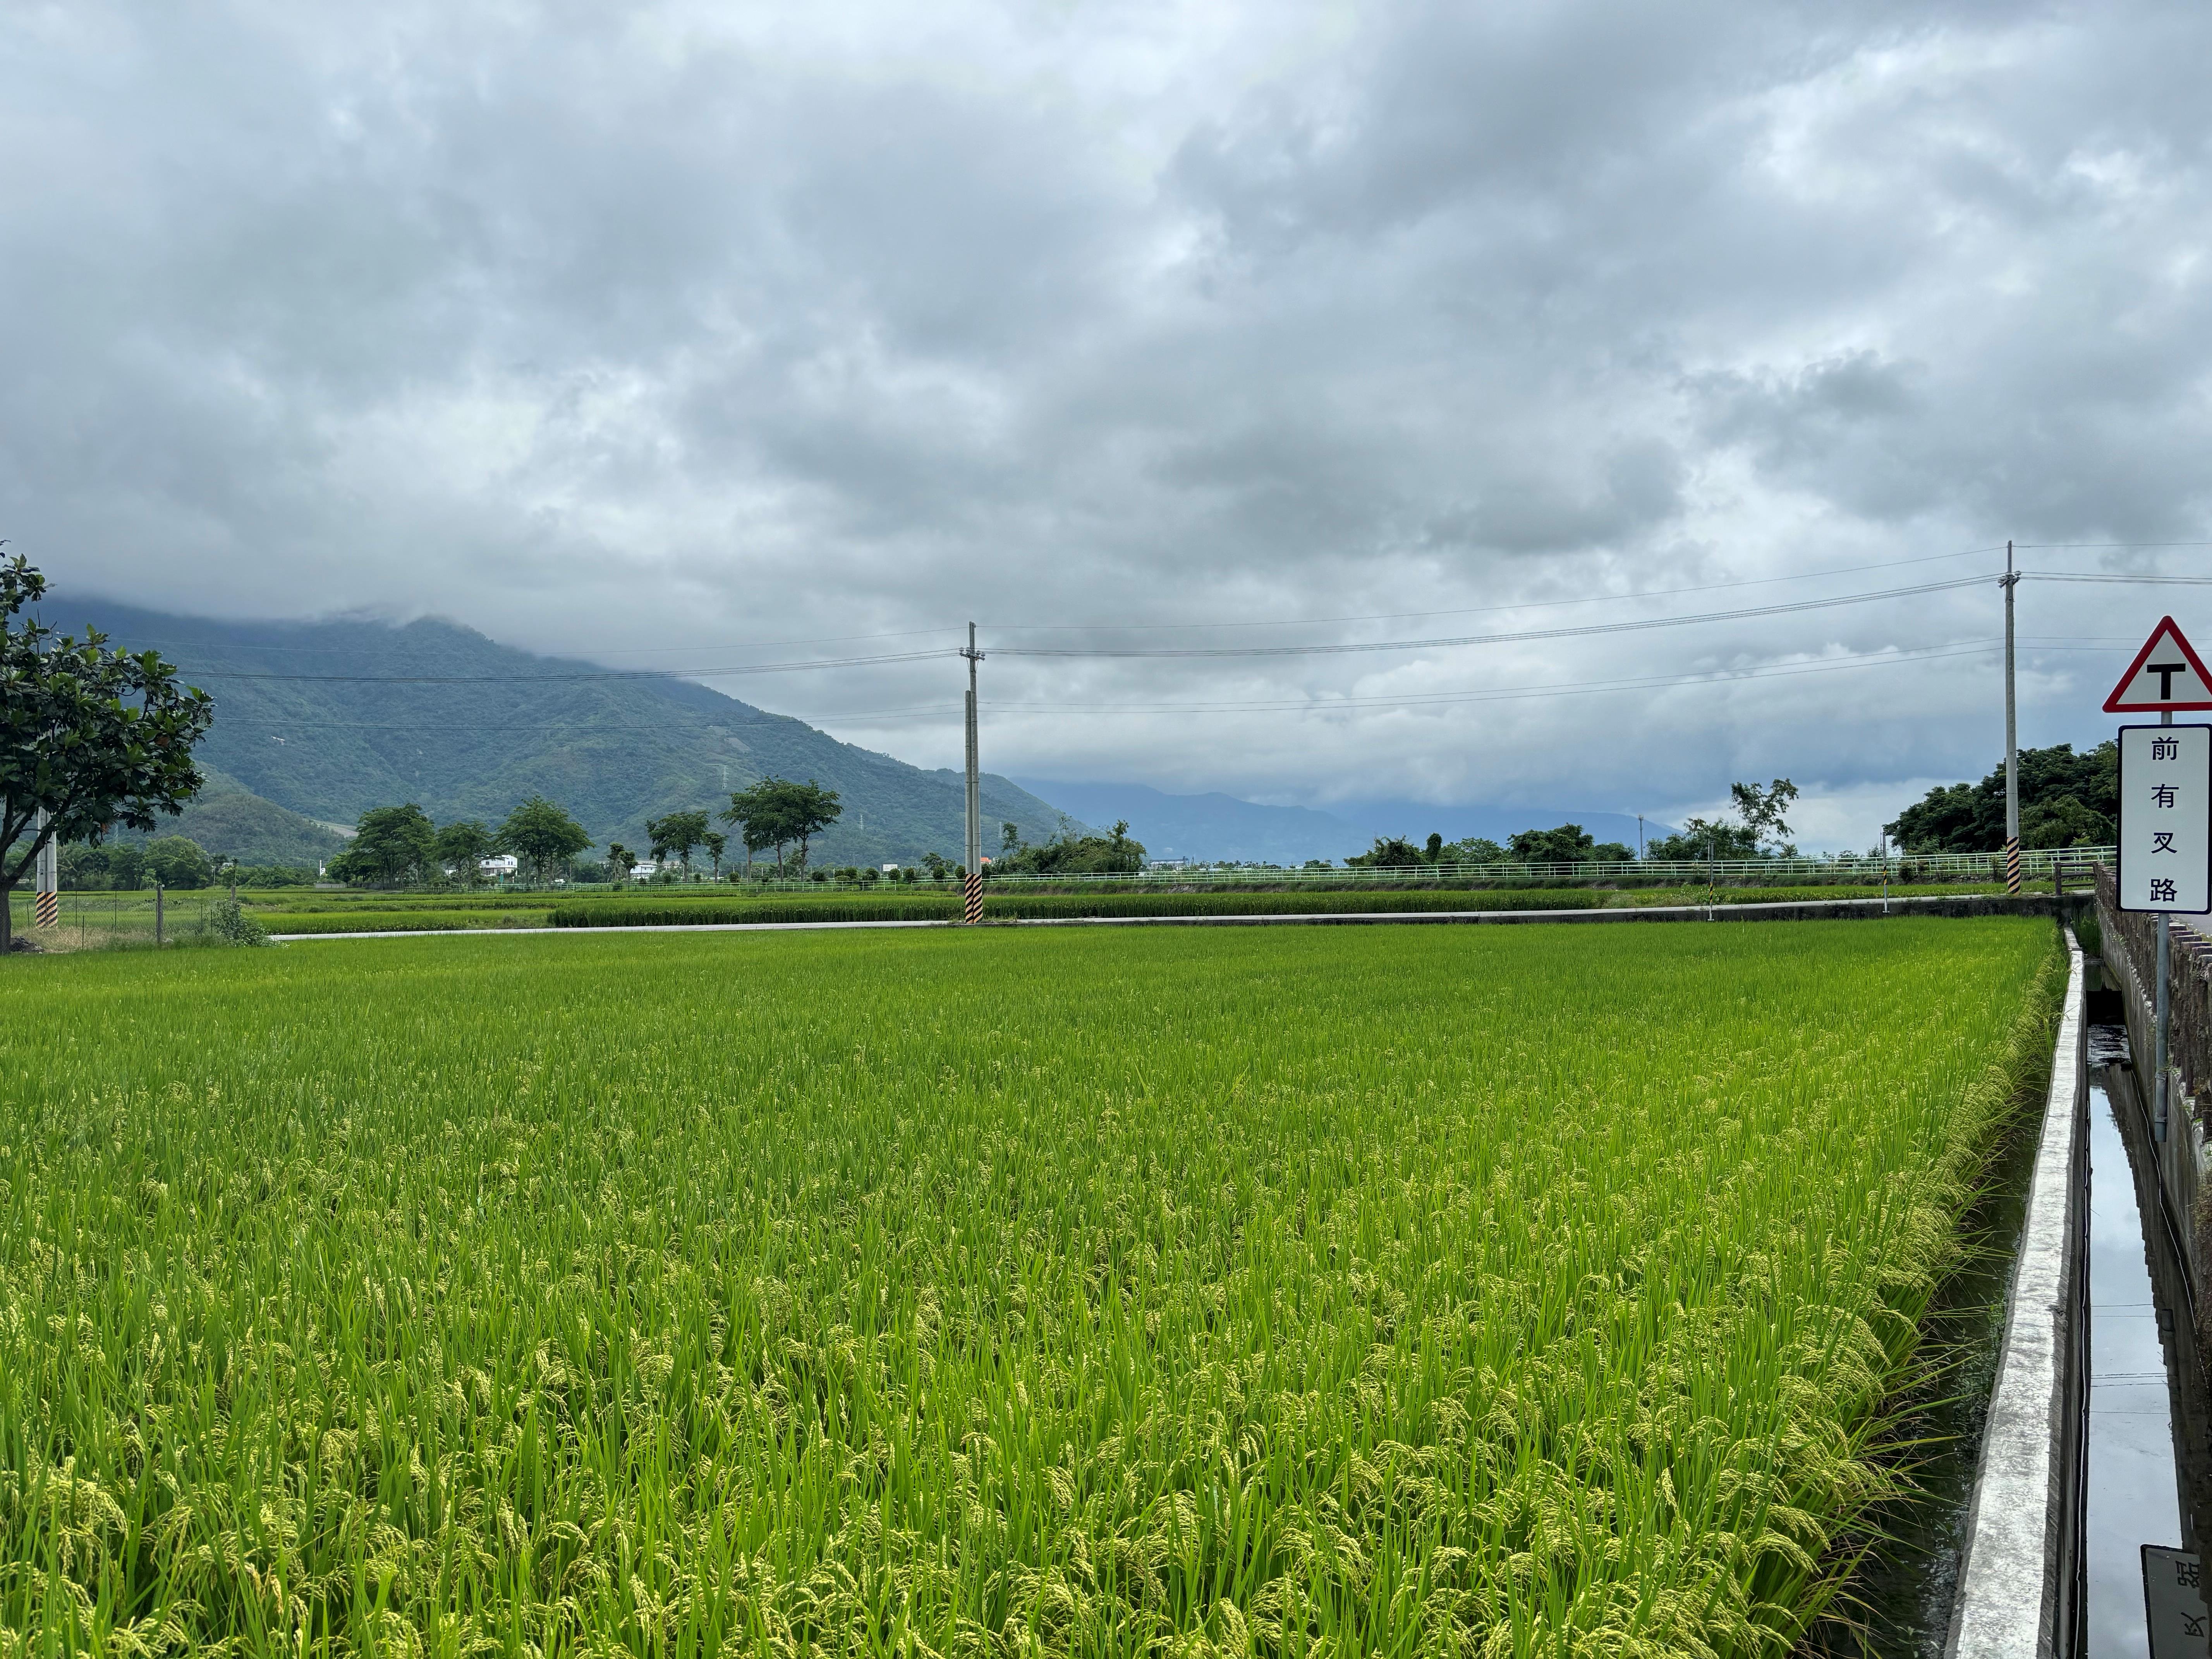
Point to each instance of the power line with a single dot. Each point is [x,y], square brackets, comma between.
[2115,546]
[1866,660]
[1638,626]
[1417,700]
[2100,576]
[1488,610]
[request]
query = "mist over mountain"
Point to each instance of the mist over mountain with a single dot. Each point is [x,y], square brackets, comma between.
[329,718]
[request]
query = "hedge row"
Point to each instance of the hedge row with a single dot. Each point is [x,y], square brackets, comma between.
[1041,906]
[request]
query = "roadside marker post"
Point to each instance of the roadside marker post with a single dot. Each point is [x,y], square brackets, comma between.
[2166,810]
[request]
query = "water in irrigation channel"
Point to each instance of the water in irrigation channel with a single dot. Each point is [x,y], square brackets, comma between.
[2137,1348]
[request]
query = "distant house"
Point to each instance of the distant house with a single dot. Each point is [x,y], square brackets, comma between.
[499,868]
[644,870]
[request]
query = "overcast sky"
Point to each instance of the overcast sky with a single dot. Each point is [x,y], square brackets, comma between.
[669,335]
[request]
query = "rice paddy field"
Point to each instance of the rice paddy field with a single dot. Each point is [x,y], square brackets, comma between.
[94,920]
[1517,1292]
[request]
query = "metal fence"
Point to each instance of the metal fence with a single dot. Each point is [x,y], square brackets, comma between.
[1918,866]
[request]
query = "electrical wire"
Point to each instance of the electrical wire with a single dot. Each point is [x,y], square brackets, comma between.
[2100,576]
[1641,625]
[1488,610]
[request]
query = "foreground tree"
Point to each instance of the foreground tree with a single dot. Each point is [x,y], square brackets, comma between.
[542,836]
[716,844]
[92,737]
[391,846]
[621,861]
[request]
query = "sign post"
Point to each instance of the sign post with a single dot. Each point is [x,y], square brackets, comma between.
[2166,808]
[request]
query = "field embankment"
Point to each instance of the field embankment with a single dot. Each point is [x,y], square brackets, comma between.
[1279,1289]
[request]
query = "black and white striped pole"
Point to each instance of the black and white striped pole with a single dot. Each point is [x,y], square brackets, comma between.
[47,906]
[2012,742]
[972,866]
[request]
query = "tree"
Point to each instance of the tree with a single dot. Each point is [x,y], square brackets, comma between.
[1570,843]
[92,737]
[1009,838]
[1475,849]
[715,843]
[465,844]
[1389,852]
[542,836]
[391,846]
[1970,817]
[621,861]
[1762,812]
[177,861]
[775,812]
[1699,839]
[677,833]
[810,810]
[1068,854]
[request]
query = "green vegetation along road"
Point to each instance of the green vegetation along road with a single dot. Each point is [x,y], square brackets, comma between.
[1278,1291]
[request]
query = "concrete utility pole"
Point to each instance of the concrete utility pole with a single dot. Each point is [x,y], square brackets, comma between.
[973,868]
[46,888]
[2012,740]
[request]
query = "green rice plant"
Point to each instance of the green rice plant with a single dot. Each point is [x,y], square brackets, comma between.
[1515,1291]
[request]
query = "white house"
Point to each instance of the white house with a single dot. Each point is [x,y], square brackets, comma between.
[506,863]
[644,870]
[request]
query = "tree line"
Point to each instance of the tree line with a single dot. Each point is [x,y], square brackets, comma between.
[400,846]
[1758,829]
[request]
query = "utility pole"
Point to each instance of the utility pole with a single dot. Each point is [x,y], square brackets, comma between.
[2012,740]
[48,888]
[973,868]
[1639,837]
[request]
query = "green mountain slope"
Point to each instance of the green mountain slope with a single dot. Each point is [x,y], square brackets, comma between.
[232,822]
[465,727]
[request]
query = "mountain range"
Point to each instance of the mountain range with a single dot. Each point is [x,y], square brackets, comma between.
[322,720]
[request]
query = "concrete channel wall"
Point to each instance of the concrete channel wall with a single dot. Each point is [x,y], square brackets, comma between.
[2020,1583]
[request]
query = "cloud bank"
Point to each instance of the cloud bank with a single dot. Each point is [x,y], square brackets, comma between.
[673,334]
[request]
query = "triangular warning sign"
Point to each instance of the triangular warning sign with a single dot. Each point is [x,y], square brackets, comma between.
[2165,674]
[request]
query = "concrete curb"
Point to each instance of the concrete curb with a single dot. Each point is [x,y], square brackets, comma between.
[2019,1595]
[1972,904]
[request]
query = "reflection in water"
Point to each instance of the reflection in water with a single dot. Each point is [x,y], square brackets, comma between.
[2133,1497]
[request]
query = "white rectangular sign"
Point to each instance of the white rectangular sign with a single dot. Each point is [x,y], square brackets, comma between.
[2173,1602]
[2166,819]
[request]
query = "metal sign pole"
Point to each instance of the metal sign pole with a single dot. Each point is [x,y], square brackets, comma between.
[2165,1006]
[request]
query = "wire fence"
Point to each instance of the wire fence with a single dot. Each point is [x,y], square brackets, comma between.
[1765,872]
[89,920]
